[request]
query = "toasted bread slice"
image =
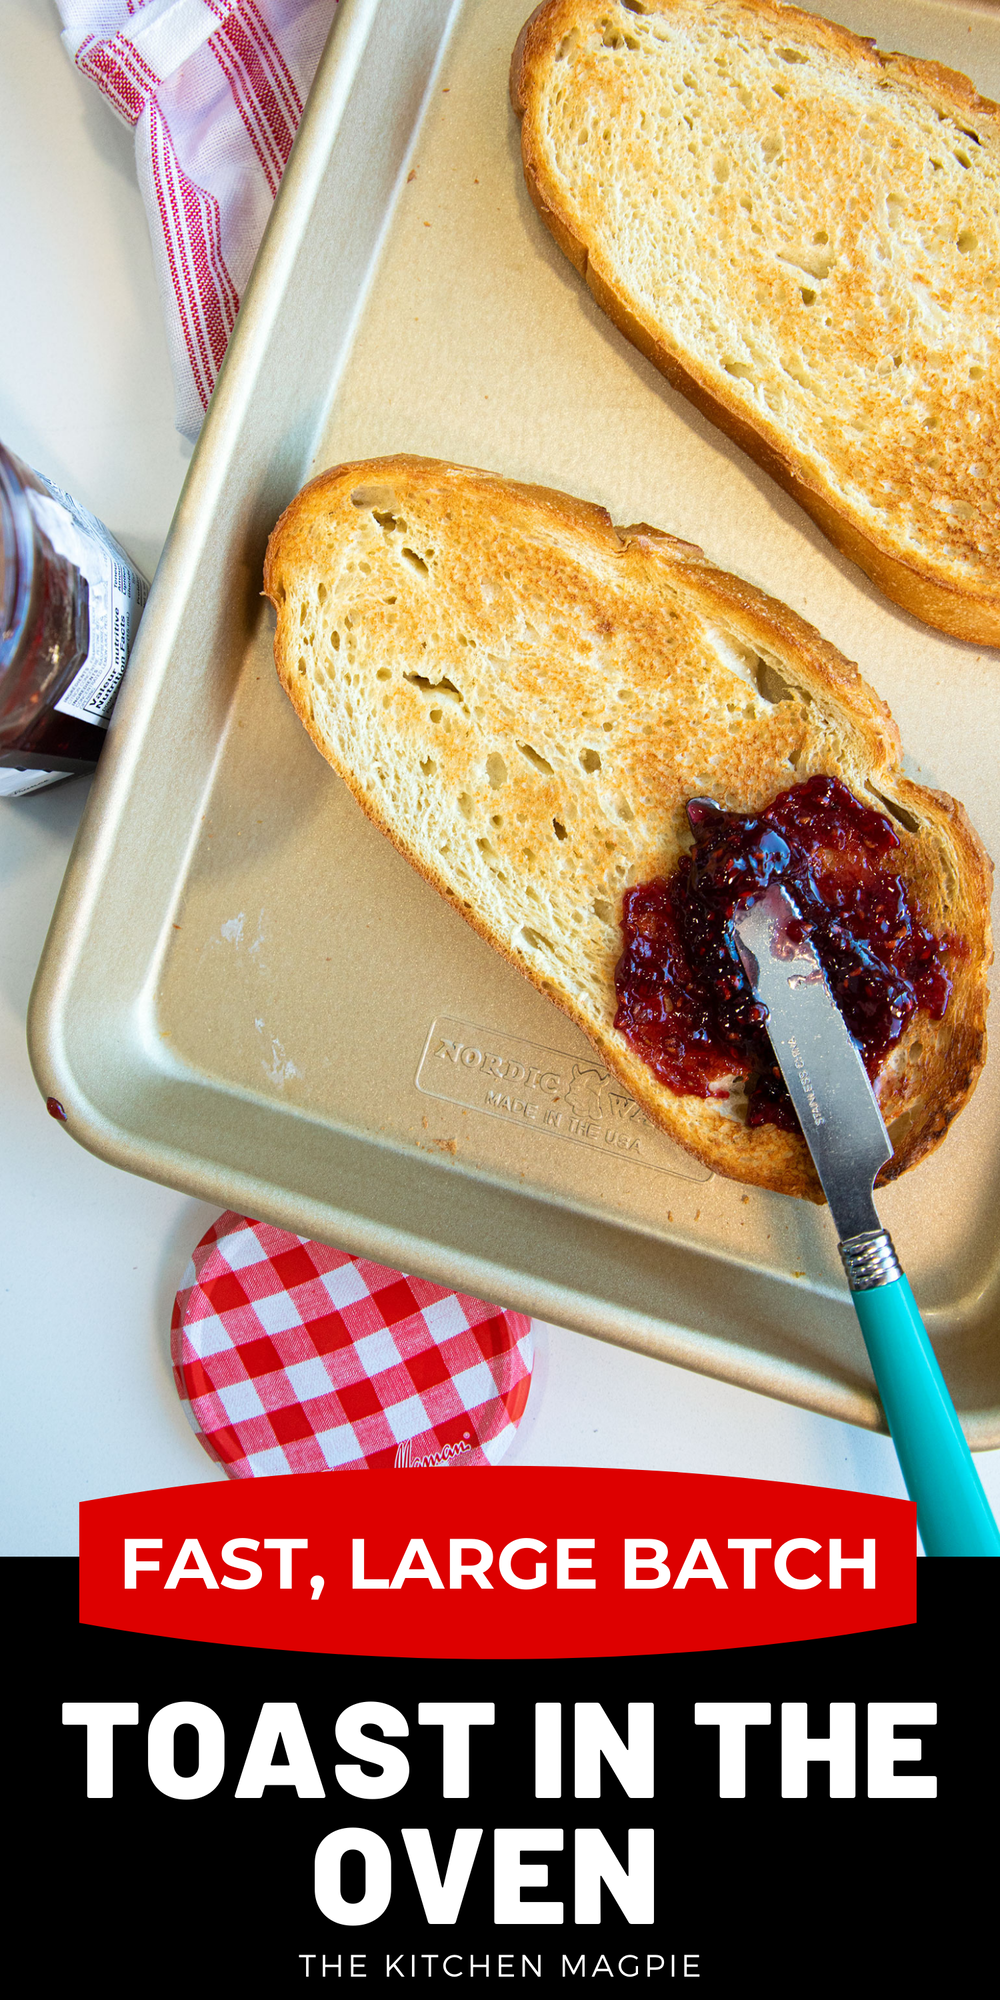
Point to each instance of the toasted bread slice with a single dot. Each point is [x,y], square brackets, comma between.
[524,697]
[803,234]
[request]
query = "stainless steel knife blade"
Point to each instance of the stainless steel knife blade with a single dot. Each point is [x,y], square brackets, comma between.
[827,1081]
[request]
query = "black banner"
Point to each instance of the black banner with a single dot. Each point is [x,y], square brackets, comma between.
[629,1866]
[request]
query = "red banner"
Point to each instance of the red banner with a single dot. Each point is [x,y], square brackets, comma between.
[528,1563]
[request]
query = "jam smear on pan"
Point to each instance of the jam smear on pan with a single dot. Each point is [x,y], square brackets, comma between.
[684,1002]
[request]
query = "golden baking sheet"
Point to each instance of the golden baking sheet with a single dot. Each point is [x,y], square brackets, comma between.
[246,987]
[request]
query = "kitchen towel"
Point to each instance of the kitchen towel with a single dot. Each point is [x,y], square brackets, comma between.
[214,90]
[292,1357]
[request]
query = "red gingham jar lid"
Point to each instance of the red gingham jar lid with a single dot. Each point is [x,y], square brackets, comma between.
[292,1357]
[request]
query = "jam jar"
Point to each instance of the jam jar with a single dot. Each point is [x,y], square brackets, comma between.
[70,603]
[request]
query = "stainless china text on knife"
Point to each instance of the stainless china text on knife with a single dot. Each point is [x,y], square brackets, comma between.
[821,1064]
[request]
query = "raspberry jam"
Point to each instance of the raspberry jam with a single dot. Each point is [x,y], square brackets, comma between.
[684,1002]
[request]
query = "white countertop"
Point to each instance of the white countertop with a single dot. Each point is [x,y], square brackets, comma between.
[91,1257]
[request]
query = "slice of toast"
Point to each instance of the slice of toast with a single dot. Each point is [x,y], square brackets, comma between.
[524,697]
[803,234]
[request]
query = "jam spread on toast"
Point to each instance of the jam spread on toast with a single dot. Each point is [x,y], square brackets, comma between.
[684,1002]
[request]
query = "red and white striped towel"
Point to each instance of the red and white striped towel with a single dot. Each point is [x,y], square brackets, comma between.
[215,90]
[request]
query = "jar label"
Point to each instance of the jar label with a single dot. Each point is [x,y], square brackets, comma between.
[117,595]
[14,783]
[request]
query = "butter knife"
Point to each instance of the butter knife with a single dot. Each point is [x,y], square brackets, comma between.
[845,1133]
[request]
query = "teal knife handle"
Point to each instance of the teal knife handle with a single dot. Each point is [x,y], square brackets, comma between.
[953,1513]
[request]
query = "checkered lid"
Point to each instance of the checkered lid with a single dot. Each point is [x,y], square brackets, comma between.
[291,1357]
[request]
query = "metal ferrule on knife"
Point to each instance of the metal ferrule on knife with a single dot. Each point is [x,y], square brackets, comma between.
[870,1260]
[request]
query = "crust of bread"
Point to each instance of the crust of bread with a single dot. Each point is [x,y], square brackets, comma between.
[522,697]
[936,551]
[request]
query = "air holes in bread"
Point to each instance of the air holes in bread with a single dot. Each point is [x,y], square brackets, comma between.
[535,939]
[374,496]
[815,263]
[901,1127]
[590,759]
[416,562]
[540,763]
[558,829]
[427,766]
[738,368]
[603,910]
[496,770]
[896,812]
[773,687]
[444,687]
[464,804]
[967,240]
[795,371]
